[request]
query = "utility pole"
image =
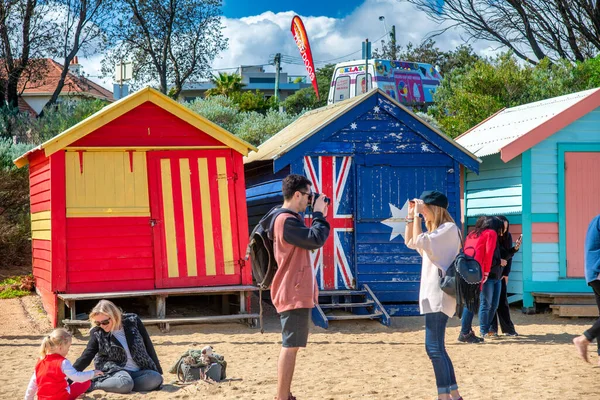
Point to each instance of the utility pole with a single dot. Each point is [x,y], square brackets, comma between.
[393,41]
[366,50]
[277,70]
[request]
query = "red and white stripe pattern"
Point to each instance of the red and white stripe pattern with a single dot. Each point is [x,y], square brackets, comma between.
[330,262]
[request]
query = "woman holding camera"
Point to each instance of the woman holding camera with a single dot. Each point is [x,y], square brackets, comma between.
[121,348]
[438,247]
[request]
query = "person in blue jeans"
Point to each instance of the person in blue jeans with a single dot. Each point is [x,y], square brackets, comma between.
[482,244]
[438,248]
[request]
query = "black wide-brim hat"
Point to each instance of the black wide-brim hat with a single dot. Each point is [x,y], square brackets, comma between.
[434,198]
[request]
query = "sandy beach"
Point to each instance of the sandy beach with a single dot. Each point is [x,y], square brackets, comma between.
[351,360]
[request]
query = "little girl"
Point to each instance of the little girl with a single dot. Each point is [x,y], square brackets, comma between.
[49,381]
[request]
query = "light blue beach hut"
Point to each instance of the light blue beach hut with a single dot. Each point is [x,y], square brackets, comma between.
[540,166]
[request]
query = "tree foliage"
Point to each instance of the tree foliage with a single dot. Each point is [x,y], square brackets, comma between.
[306,99]
[225,84]
[171,42]
[79,31]
[428,52]
[252,126]
[25,35]
[467,96]
[531,29]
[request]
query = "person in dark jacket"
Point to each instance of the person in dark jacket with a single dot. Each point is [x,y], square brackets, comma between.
[592,276]
[507,251]
[121,348]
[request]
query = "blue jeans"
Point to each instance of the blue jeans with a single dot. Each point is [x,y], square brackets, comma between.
[466,322]
[488,303]
[124,382]
[435,332]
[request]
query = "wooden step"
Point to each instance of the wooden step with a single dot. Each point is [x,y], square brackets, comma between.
[178,320]
[575,310]
[348,305]
[350,317]
[564,298]
[342,293]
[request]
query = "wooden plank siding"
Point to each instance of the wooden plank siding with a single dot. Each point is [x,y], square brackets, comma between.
[40,190]
[393,163]
[109,254]
[497,190]
[547,203]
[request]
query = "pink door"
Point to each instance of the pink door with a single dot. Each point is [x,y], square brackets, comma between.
[582,203]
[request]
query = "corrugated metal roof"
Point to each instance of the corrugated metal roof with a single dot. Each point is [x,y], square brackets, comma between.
[510,124]
[304,127]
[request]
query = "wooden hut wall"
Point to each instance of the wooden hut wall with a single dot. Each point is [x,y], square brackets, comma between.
[497,190]
[563,170]
[391,163]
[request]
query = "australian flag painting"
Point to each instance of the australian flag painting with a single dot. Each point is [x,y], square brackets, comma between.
[333,263]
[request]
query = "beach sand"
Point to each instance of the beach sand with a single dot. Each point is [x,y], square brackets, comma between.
[350,360]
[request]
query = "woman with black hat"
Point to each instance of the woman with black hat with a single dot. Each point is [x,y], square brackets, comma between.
[438,247]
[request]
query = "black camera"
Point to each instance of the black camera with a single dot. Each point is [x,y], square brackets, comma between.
[327,200]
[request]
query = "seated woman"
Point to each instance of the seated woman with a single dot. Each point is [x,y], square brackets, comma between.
[121,348]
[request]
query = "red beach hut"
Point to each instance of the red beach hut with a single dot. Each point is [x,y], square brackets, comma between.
[143,198]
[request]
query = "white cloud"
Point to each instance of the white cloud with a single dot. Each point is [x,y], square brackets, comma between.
[253,39]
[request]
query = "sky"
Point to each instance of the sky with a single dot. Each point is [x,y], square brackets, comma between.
[257,29]
[328,8]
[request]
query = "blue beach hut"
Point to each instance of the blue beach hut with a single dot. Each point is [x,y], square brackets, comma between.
[370,154]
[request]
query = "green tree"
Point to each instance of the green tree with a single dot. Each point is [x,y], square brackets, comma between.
[225,84]
[253,101]
[306,99]
[467,96]
[428,52]
[170,42]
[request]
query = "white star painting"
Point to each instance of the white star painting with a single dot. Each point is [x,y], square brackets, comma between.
[376,109]
[353,126]
[398,220]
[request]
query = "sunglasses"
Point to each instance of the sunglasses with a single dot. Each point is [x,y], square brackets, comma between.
[310,195]
[103,323]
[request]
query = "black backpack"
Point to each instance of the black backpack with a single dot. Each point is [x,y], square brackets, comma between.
[261,254]
[260,248]
[462,281]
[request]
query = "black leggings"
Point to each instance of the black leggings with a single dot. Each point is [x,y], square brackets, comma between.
[594,331]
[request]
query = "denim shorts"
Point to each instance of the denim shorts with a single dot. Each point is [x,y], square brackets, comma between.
[294,327]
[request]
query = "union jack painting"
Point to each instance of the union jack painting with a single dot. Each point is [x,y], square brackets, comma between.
[332,264]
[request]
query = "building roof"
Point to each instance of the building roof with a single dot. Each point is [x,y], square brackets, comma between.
[512,131]
[315,120]
[74,85]
[25,107]
[126,104]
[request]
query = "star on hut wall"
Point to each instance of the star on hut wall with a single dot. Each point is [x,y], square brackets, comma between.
[353,126]
[398,220]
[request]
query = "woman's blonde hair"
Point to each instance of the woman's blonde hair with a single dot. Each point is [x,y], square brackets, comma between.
[55,339]
[440,216]
[108,308]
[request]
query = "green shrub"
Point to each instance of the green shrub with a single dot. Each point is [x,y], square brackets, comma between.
[255,128]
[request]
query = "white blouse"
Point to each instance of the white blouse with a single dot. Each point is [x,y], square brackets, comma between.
[438,250]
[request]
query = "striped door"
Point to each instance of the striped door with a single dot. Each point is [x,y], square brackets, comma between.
[582,203]
[194,218]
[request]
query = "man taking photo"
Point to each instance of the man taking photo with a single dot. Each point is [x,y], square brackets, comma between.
[294,290]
